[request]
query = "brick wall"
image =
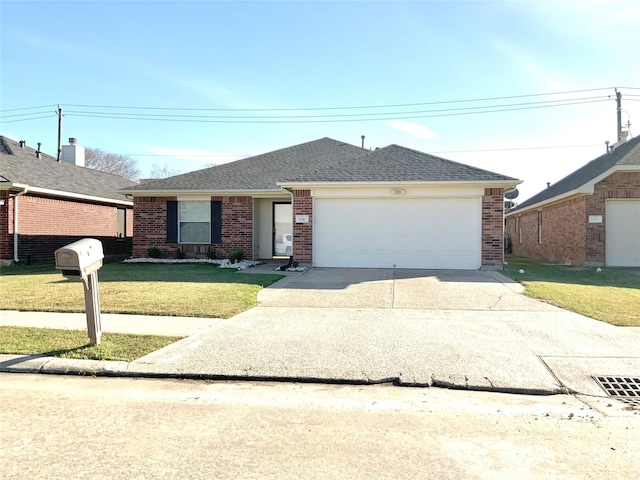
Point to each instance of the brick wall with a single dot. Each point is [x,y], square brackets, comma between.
[567,235]
[237,225]
[150,228]
[46,224]
[616,185]
[563,232]
[303,232]
[492,228]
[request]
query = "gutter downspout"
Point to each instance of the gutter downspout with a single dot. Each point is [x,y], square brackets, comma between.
[15,223]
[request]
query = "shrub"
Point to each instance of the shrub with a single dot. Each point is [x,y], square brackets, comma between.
[295,264]
[180,253]
[211,253]
[236,255]
[153,252]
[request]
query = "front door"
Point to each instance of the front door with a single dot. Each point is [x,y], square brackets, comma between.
[282,229]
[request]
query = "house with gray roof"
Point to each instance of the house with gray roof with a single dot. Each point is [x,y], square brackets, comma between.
[590,217]
[46,204]
[327,203]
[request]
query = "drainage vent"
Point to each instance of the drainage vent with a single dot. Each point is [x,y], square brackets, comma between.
[625,389]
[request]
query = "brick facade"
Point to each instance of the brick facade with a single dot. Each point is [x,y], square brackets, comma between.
[567,235]
[46,224]
[150,228]
[303,232]
[237,225]
[492,228]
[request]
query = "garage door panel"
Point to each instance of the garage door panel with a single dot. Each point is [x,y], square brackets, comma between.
[622,219]
[417,233]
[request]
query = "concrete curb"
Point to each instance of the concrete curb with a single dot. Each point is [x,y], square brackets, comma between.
[102,368]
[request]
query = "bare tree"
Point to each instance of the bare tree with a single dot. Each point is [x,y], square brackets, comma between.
[109,162]
[164,171]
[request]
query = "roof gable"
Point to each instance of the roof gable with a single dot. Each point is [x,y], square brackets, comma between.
[22,166]
[626,154]
[260,172]
[399,164]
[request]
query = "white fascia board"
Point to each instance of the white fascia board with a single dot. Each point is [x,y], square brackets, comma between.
[586,189]
[548,201]
[485,183]
[72,195]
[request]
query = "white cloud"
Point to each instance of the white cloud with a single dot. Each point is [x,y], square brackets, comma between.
[194,155]
[533,70]
[414,129]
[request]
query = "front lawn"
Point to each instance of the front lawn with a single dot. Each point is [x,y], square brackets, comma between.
[74,344]
[186,290]
[611,295]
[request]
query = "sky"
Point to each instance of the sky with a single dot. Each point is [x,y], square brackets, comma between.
[522,88]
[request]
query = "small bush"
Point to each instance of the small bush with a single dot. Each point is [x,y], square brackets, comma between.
[180,253]
[236,255]
[295,264]
[211,253]
[153,252]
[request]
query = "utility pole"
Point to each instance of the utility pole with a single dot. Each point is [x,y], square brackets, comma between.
[619,113]
[60,132]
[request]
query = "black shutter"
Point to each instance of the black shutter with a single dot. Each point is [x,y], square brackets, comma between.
[172,221]
[216,222]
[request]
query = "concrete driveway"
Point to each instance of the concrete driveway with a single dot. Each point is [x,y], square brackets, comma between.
[460,329]
[400,289]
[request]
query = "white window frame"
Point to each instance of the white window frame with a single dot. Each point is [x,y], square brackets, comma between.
[540,226]
[182,203]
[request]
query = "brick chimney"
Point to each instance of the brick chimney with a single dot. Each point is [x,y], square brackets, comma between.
[73,153]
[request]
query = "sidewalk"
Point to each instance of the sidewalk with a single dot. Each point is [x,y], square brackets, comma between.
[111,323]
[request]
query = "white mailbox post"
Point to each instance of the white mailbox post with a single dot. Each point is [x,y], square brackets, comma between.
[80,261]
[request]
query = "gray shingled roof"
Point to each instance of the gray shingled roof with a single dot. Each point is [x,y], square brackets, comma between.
[324,160]
[398,164]
[260,172]
[626,154]
[22,166]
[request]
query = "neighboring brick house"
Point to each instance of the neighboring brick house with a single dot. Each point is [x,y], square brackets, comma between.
[46,204]
[590,217]
[330,204]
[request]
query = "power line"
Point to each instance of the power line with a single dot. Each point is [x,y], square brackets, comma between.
[27,119]
[342,107]
[27,108]
[305,119]
[155,115]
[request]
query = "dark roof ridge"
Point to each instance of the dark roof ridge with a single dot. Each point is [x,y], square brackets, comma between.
[584,174]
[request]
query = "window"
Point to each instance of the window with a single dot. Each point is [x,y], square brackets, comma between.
[539,226]
[519,228]
[194,222]
[121,223]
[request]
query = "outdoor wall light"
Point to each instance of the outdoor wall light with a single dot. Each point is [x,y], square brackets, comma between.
[2,201]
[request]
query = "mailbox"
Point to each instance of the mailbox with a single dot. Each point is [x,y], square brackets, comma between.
[79,259]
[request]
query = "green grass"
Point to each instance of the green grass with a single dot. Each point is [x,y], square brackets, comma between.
[74,344]
[188,290]
[611,295]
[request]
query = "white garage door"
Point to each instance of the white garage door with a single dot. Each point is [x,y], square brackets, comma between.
[402,233]
[623,233]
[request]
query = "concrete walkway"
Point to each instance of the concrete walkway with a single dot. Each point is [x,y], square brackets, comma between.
[462,329]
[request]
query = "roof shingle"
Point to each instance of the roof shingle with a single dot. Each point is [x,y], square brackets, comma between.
[398,164]
[22,166]
[626,154]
